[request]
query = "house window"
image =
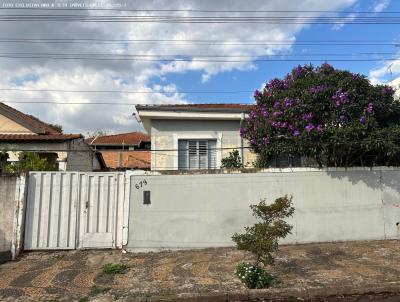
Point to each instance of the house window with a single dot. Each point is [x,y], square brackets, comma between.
[197,154]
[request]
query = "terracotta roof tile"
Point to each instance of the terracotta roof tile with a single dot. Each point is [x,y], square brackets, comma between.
[36,137]
[221,107]
[127,159]
[29,119]
[131,138]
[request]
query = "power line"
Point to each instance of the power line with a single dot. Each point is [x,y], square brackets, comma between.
[196,41]
[94,8]
[90,103]
[138,59]
[205,19]
[126,91]
[136,55]
[187,149]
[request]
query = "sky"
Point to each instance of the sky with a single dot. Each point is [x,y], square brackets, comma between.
[201,73]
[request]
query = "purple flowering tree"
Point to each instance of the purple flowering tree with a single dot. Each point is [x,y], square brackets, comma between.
[332,116]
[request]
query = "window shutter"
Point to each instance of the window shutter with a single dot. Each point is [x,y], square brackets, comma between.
[193,155]
[183,154]
[197,154]
[203,154]
[212,154]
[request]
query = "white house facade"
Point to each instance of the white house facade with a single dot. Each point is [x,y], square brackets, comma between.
[197,136]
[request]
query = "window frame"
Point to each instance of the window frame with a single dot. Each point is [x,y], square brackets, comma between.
[199,155]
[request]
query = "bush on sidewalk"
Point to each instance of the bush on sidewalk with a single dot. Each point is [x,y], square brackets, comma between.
[262,238]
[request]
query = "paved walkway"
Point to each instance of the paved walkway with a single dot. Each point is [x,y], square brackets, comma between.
[302,270]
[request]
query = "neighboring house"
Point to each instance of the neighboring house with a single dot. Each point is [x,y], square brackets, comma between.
[126,151]
[22,132]
[195,136]
[396,86]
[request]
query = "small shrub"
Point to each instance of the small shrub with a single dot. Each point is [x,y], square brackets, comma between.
[114,268]
[233,161]
[253,276]
[29,161]
[262,238]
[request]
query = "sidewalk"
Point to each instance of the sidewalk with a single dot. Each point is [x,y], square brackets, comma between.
[203,275]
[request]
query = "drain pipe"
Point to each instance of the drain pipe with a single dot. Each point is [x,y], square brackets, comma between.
[242,116]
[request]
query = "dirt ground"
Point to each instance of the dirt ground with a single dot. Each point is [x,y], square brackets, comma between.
[351,271]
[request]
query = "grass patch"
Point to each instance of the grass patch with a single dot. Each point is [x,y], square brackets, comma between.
[114,268]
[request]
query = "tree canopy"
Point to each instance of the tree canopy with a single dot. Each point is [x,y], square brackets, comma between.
[29,161]
[335,117]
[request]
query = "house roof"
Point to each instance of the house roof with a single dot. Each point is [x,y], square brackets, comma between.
[41,130]
[127,159]
[26,120]
[34,137]
[228,108]
[131,138]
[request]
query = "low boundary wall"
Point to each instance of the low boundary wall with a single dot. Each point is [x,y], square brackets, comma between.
[204,210]
[11,215]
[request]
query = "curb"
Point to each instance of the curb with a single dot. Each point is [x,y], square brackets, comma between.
[304,293]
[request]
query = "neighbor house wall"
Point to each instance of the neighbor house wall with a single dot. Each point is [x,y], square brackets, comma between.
[7,205]
[166,133]
[8,126]
[197,211]
[81,157]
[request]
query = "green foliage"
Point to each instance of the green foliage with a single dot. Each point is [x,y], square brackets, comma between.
[114,268]
[3,160]
[29,161]
[334,117]
[56,127]
[233,161]
[261,239]
[253,276]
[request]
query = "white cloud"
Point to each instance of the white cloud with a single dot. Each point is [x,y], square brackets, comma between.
[380,6]
[386,72]
[343,21]
[135,76]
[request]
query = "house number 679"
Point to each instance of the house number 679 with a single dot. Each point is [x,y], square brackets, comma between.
[141,184]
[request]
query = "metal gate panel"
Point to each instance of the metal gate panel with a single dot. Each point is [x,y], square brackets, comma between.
[121,206]
[51,211]
[68,210]
[99,229]
[102,202]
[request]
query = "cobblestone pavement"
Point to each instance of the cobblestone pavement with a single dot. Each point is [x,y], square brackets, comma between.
[203,275]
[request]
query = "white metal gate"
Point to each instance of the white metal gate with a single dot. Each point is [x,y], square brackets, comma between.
[69,210]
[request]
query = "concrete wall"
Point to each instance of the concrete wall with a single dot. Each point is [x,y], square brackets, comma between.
[166,133]
[7,205]
[194,211]
[83,159]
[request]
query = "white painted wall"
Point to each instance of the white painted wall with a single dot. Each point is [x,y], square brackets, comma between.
[166,133]
[7,204]
[12,189]
[196,211]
